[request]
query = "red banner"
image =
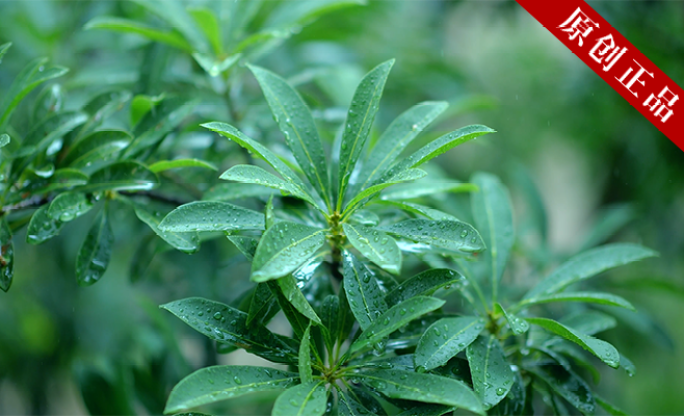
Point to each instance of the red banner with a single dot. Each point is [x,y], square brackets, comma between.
[615,60]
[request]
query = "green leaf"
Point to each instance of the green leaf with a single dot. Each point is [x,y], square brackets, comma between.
[121,176]
[360,118]
[330,318]
[362,291]
[419,189]
[568,385]
[295,121]
[101,108]
[348,406]
[396,317]
[206,20]
[263,305]
[408,175]
[437,147]
[308,399]
[6,255]
[174,13]
[346,318]
[588,264]
[603,350]
[118,24]
[93,257]
[289,289]
[297,321]
[4,140]
[3,49]
[283,248]
[226,324]
[610,220]
[305,371]
[61,179]
[211,216]
[69,206]
[396,137]
[418,209]
[302,12]
[428,410]
[42,226]
[215,67]
[590,322]
[96,149]
[518,326]
[364,217]
[446,338]
[426,388]
[187,242]
[452,236]
[588,297]
[232,191]
[246,245]
[425,283]
[163,165]
[256,175]
[141,105]
[269,213]
[45,133]
[213,384]
[608,407]
[492,375]
[49,102]
[376,246]
[493,214]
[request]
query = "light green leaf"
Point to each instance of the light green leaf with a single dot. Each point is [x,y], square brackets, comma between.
[588,264]
[603,350]
[93,257]
[492,375]
[396,317]
[141,105]
[163,165]
[405,176]
[362,291]
[261,37]
[211,216]
[213,384]
[588,297]
[396,137]
[96,149]
[376,246]
[360,119]
[120,176]
[283,248]
[308,399]
[269,213]
[518,326]
[568,385]
[289,289]
[213,66]
[42,226]
[305,371]
[118,24]
[453,236]
[425,283]
[364,217]
[297,321]
[232,191]
[256,175]
[6,255]
[4,140]
[187,242]
[426,388]
[295,121]
[206,20]
[69,206]
[420,189]
[446,338]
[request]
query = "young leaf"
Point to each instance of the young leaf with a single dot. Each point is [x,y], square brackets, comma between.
[118,24]
[492,375]
[452,236]
[256,175]
[187,242]
[120,176]
[405,176]
[446,338]
[305,371]
[206,20]
[211,216]
[42,226]
[419,189]
[518,326]
[588,264]
[93,257]
[360,118]
[213,384]
[289,289]
[588,297]
[396,137]
[568,385]
[362,291]
[426,388]
[603,350]
[163,165]
[214,66]
[6,255]
[425,283]
[396,317]
[141,105]
[308,399]
[494,219]
[283,248]
[376,246]
[69,206]
[295,121]
[96,148]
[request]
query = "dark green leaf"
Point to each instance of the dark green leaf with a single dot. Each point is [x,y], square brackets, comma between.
[517,325]
[118,24]
[608,407]
[428,410]
[68,206]
[246,245]
[588,297]
[376,246]
[297,321]
[425,188]
[263,305]
[362,291]
[187,242]
[256,175]
[48,131]
[568,385]
[120,176]
[163,165]
[492,375]
[446,338]
[349,406]
[211,216]
[42,226]
[452,236]
[289,289]
[96,149]
[93,257]
[305,371]
[330,318]
[6,255]
[307,399]
[424,283]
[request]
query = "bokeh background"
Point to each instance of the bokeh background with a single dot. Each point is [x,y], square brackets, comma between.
[108,349]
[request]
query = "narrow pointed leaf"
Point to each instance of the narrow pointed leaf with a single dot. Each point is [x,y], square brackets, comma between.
[376,246]
[362,291]
[297,320]
[283,248]
[304,12]
[405,176]
[96,148]
[589,322]
[609,407]
[360,119]
[163,165]
[288,286]
[263,305]
[492,375]
[175,14]
[425,283]
[452,236]
[213,384]
[121,176]
[50,101]
[118,24]
[42,226]
[6,255]
[396,317]
[305,371]
[603,350]
[588,297]
[330,318]
[568,385]
[308,399]
[426,388]
[93,257]
[211,216]
[428,410]
[68,206]
[518,325]
[420,189]
[256,175]
[187,242]
[206,20]
[589,264]
[446,338]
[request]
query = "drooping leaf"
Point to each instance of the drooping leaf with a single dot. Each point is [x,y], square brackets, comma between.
[6,255]
[376,246]
[408,175]
[121,176]
[304,365]
[360,119]
[93,257]
[213,384]
[420,189]
[362,291]
[211,216]
[122,25]
[163,165]
[233,191]
[452,236]
[330,318]
[308,399]
[96,149]
[396,317]
[603,350]
[297,320]
[588,297]
[289,288]
[187,242]
[446,338]
[256,175]
[424,283]
[588,264]
[492,375]
[283,248]
[518,325]
[568,385]
[42,226]
[426,388]
[69,206]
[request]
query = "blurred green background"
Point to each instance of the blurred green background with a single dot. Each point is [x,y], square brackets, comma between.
[65,349]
